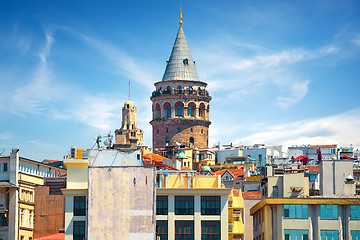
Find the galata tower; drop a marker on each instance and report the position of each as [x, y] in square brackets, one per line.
[180, 102]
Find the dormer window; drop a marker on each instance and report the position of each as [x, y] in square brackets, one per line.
[186, 61]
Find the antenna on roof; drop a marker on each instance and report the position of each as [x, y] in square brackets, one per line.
[129, 89]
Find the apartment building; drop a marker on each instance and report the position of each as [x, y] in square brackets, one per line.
[312, 218]
[191, 206]
[18, 178]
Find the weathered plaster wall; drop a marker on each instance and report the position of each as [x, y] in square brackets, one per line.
[121, 202]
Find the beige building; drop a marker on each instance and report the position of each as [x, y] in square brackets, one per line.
[286, 185]
[109, 195]
[307, 218]
[18, 178]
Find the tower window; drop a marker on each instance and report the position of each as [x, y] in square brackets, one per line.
[192, 140]
[168, 111]
[191, 130]
[178, 111]
[179, 130]
[127, 126]
[167, 142]
[202, 131]
[189, 111]
[132, 126]
[157, 131]
[186, 61]
[167, 130]
[127, 106]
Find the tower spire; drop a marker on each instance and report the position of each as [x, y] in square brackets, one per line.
[180, 22]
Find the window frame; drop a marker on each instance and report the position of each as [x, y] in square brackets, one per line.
[78, 226]
[325, 233]
[184, 230]
[296, 211]
[326, 209]
[354, 211]
[79, 210]
[210, 205]
[215, 230]
[162, 205]
[184, 205]
[162, 225]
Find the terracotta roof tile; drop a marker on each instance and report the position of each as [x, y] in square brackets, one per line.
[322, 146]
[251, 194]
[57, 236]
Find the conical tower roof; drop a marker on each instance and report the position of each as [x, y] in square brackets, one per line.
[180, 65]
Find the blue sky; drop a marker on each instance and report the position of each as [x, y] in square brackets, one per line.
[279, 72]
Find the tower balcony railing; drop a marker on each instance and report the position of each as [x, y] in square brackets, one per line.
[165, 92]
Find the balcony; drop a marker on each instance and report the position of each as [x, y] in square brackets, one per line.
[178, 92]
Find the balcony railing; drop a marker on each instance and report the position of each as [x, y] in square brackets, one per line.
[162, 92]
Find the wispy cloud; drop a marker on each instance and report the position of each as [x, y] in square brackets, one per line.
[342, 128]
[100, 112]
[356, 41]
[125, 64]
[38, 90]
[266, 72]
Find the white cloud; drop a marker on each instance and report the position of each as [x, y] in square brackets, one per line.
[337, 129]
[271, 73]
[38, 90]
[356, 41]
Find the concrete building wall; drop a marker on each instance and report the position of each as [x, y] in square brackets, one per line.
[333, 174]
[248, 219]
[121, 202]
[222, 154]
[258, 153]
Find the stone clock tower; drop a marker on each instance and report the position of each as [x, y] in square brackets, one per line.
[180, 102]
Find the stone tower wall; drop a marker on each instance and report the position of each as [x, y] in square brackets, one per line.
[170, 130]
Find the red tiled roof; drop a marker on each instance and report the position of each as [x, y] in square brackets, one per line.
[236, 173]
[311, 167]
[51, 160]
[57, 236]
[154, 157]
[163, 166]
[185, 169]
[251, 194]
[322, 146]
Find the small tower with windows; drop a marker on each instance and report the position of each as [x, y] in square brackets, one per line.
[180, 102]
[128, 134]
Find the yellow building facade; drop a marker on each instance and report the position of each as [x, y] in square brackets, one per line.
[196, 207]
[19, 176]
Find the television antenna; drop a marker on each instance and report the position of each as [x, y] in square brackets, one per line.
[107, 141]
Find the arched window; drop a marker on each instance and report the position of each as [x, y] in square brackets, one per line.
[168, 89]
[186, 61]
[179, 111]
[167, 142]
[190, 89]
[191, 130]
[179, 88]
[192, 140]
[179, 130]
[168, 112]
[157, 114]
[202, 110]
[190, 112]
